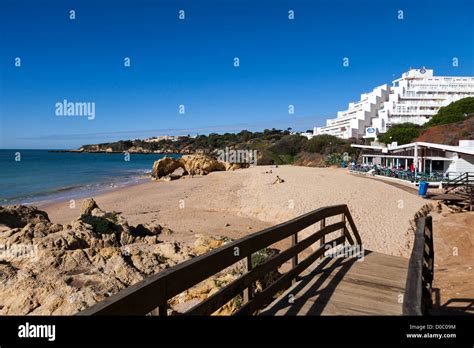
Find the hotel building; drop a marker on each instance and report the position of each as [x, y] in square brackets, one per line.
[415, 98]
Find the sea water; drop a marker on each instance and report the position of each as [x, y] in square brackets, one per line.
[31, 176]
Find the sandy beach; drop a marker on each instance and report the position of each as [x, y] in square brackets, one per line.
[240, 202]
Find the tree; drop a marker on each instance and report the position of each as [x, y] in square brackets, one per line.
[288, 145]
[323, 143]
[454, 112]
[403, 133]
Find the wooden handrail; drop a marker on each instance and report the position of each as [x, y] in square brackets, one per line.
[466, 178]
[417, 299]
[154, 291]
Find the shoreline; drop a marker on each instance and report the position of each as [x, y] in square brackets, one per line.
[42, 176]
[78, 192]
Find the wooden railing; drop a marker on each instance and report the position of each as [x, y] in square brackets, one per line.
[417, 298]
[464, 179]
[155, 291]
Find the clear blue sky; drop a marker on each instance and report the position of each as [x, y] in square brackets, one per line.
[190, 62]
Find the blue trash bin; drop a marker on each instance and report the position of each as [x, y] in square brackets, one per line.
[423, 188]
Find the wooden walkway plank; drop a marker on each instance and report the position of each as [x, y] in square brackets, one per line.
[338, 286]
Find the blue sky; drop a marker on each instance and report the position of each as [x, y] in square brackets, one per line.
[190, 62]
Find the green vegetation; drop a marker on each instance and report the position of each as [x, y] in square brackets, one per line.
[454, 112]
[262, 256]
[327, 144]
[274, 146]
[99, 224]
[208, 143]
[403, 133]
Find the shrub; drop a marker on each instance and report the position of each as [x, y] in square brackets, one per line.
[323, 144]
[402, 133]
[288, 145]
[453, 112]
[99, 224]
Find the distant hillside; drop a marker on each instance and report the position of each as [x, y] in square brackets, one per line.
[449, 134]
[273, 146]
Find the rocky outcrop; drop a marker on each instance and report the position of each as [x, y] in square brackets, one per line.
[201, 164]
[20, 215]
[165, 166]
[197, 164]
[87, 206]
[52, 269]
[47, 268]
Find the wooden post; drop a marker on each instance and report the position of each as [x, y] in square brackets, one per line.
[294, 241]
[248, 291]
[163, 310]
[343, 219]
[322, 241]
[294, 259]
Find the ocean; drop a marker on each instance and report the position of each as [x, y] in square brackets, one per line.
[41, 175]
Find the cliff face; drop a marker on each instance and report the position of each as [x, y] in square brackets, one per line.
[449, 134]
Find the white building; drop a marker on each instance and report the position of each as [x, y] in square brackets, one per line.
[164, 137]
[353, 121]
[415, 98]
[308, 134]
[425, 157]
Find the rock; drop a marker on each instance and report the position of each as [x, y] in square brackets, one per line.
[173, 251]
[166, 231]
[169, 168]
[234, 166]
[203, 244]
[200, 164]
[165, 166]
[146, 230]
[71, 267]
[87, 206]
[17, 216]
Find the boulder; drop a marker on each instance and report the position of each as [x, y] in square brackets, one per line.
[169, 168]
[87, 206]
[165, 166]
[201, 164]
[18, 216]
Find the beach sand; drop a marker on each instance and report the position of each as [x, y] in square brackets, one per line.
[240, 202]
[453, 292]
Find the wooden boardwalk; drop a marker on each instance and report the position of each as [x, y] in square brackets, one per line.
[375, 285]
[316, 284]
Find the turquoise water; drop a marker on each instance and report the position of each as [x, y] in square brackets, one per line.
[41, 175]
